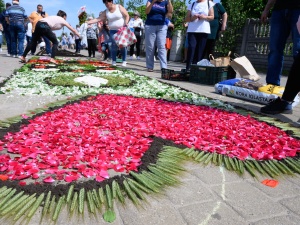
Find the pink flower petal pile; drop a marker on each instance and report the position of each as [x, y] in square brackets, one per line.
[106, 132]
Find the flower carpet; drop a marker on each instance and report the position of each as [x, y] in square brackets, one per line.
[111, 143]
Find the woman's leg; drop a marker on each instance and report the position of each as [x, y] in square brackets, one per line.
[192, 42]
[31, 46]
[48, 33]
[292, 87]
[138, 45]
[131, 49]
[201, 42]
[89, 42]
[161, 46]
[94, 45]
[114, 47]
[150, 37]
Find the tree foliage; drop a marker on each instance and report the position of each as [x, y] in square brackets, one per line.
[238, 11]
[2, 6]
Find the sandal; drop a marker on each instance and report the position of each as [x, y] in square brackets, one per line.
[22, 59]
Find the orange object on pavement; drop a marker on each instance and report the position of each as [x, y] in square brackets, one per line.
[270, 183]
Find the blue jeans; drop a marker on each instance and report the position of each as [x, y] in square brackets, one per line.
[114, 48]
[283, 22]
[17, 34]
[156, 35]
[77, 44]
[196, 46]
[47, 44]
[106, 49]
[8, 40]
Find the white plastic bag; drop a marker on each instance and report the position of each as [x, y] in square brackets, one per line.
[205, 62]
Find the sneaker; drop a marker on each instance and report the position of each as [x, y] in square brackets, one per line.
[277, 106]
[138, 58]
[8, 54]
[130, 58]
[0, 49]
[124, 63]
[114, 63]
[14, 56]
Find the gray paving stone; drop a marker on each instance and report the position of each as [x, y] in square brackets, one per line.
[190, 192]
[212, 213]
[292, 204]
[285, 189]
[280, 220]
[212, 175]
[159, 212]
[249, 202]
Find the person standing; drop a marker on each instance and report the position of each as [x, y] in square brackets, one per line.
[283, 22]
[117, 17]
[28, 28]
[15, 16]
[71, 40]
[215, 29]
[6, 30]
[156, 31]
[185, 45]
[169, 37]
[1, 36]
[106, 43]
[292, 88]
[77, 40]
[44, 27]
[34, 17]
[137, 25]
[91, 35]
[198, 15]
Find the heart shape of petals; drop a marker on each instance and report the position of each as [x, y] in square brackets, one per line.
[111, 132]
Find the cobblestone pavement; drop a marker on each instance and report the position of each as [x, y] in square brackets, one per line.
[207, 195]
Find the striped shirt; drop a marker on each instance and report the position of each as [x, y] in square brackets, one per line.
[15, 13]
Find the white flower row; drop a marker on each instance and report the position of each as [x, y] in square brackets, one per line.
[33, 83]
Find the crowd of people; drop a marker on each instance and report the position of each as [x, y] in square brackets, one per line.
[18, 28]
[202, 24]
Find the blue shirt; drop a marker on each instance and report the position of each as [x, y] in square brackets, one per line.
[3, 21]
[157, 13]
[15, 13]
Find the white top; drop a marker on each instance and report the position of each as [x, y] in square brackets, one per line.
[136, 23]
[55, 22]
[199, 26]
[29, 30]
[115, 19]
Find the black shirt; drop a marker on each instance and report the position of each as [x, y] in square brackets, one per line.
[287, 4]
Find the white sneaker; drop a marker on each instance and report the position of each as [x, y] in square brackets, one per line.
[0, 49]
[130, 58]
[154, 59]
[14, 56]
[114, 63]
[124, 63]
[8, 54]
[138, 58]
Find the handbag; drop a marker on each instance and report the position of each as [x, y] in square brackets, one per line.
[244, 68]
[221, 61]
[124, 37]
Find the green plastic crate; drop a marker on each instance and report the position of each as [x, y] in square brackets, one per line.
[207, 74]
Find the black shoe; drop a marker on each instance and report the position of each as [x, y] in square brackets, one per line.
[277, 106]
